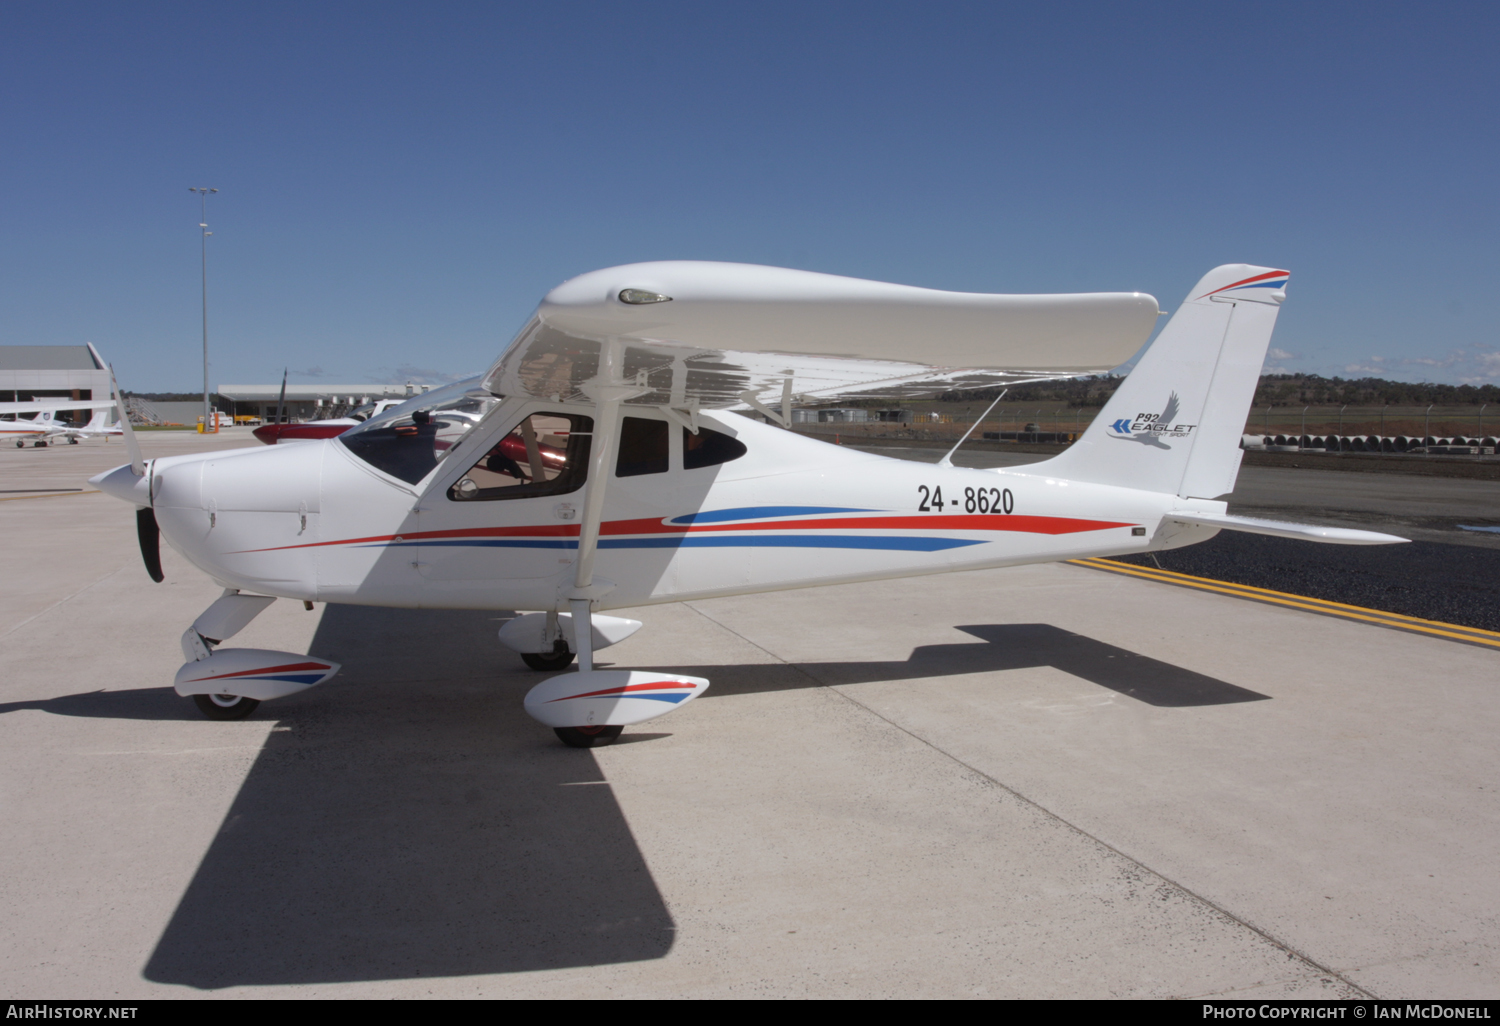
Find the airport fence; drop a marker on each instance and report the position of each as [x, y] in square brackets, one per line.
[1420, 426]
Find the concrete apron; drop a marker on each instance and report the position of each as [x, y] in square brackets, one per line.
[1044, 782]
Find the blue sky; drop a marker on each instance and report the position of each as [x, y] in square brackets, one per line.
[400, 183]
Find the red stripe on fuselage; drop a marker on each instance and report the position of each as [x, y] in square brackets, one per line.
[1018, 523]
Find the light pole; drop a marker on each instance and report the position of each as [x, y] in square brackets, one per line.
[203, 226]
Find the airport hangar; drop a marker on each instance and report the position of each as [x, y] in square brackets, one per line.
[31, 373]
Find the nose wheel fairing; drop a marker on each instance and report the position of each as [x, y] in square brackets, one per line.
[227, 684]
[256, 673]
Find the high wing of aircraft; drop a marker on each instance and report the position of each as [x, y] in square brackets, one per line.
[38, 423]
[597, 465]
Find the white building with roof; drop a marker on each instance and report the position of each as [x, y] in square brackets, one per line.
[29, 373]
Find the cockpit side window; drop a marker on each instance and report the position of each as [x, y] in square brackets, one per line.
[545, 454]
[709, 448]
[643, 447]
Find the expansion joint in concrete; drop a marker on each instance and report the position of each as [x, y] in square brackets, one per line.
[1265, 935]
[66, 599]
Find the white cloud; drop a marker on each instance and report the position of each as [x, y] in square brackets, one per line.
[415, 375]
[1463, 366]
[1281, 354]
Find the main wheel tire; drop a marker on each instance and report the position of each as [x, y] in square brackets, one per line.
[559, 659]
[72, 441]
[225, 707]
[587, 737]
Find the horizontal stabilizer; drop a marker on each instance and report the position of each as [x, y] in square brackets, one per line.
[1282, 529]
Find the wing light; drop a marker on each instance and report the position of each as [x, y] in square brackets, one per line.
[640, 297]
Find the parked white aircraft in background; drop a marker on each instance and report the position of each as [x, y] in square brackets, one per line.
[594, 467]
[42, 425]
[312, 430]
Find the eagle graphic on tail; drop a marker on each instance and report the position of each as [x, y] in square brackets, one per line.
[1122, 428]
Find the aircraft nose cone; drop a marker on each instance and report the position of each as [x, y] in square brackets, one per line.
[124, 485]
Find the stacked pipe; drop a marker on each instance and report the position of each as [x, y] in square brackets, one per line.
[1372, 443]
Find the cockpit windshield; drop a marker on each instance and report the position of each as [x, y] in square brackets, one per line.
[407, 441]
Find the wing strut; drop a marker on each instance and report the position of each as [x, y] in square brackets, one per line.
[784, 418]
[608, 390]
[947, 460]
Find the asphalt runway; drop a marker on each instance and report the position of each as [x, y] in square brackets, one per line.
[1452, 583]
[1045, 781]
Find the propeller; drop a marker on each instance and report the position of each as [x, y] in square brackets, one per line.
[150, 538]
[132, 447]
[146, 528]
[281, 403]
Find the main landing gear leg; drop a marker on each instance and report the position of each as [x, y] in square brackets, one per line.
[583, 637]
[591, 707]
[583, 632]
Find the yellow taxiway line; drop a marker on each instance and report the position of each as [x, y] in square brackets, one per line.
[49, 495]
[1398, 621]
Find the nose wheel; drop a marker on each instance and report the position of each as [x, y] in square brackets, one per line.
[225, 707]
[587, 737]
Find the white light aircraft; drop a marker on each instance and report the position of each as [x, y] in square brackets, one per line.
[595, 467]
[42, 426]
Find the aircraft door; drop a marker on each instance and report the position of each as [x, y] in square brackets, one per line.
[513, 513]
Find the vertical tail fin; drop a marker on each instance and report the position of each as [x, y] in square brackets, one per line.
[1174, 424]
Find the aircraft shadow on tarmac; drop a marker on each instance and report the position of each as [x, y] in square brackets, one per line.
[408, 819]
[1016, 646]
[413, 821]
